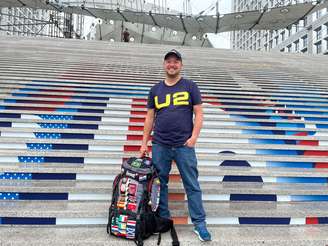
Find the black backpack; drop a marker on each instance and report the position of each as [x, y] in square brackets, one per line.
[133, 211]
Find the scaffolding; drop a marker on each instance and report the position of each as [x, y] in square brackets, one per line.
[40, 22]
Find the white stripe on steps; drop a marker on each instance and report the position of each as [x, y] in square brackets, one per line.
[111, 137]
[297, 221]
[104, 161]
[88, 197]
[81, 221]
[95, 177]
[18, 134]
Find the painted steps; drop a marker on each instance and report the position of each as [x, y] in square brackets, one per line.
[263, 143]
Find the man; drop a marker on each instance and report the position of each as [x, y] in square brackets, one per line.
[171, 105]
[126, 35]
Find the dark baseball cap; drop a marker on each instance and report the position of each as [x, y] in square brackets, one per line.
[175, 53]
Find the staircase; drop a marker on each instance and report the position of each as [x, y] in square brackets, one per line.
[71, 111]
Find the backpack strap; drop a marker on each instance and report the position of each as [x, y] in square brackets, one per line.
[114, 200]
[174, 236]
[159, 239]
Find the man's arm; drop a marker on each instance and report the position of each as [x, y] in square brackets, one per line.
[198, 123]
[147, 131]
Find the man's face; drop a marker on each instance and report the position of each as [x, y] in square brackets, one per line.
[172, 66]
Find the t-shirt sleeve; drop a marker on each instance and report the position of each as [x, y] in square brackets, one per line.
[150, 101]
[196, 97]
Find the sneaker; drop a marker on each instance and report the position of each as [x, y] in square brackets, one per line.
[202, 233]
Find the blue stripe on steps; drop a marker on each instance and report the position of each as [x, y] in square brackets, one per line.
[322, 126]
[49, 146]
[244, 163]
[309, 198]
[304, 180]
[290, 164]
[10, 115]
[37, 176]
[253, 197]
[27, 221]
[55, 117]
[235, 163]
[90, 118]
[272, 141]
[65, 126]
[52, 176]
[16, 176]
[32, 196]
[43, 196]
[50, 135]
[47, 135]
[232, 178]
[42, 159]
[323, 220]
[64, 159]
[315, 119]
[278, 152]
[77, 136]
[275, 132]
[264, 221]
[5, 124]
[99, 111]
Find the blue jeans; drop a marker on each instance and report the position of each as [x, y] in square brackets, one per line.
[186, 161]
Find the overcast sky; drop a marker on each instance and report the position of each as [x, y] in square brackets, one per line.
[221, 40]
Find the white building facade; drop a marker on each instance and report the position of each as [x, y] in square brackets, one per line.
[309, 35]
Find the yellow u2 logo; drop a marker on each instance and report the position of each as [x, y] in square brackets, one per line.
[179, 98]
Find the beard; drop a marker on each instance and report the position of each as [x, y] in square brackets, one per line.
[173, 75]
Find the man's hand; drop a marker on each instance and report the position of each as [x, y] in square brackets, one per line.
[191, 142]
[143, 151]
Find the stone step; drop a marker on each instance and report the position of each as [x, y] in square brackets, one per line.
[109, 158]
[116, 66]
[10, 100]
[208, 125]
[218, 94]
[31, 113]
[19, 133]
[112, 116]
[203, 146]
[235, 131]
[203, 84]
[212, 172]
[99, 209]
[227, 90]
[143, 77]
[24, 133]
[210, 93]
[211, 190]
[222, 235]
[207, 102]
[208, 109]
[205, 89]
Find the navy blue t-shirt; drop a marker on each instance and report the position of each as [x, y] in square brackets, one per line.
[173, 111]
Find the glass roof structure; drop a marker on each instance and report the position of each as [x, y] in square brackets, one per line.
[266, 19]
